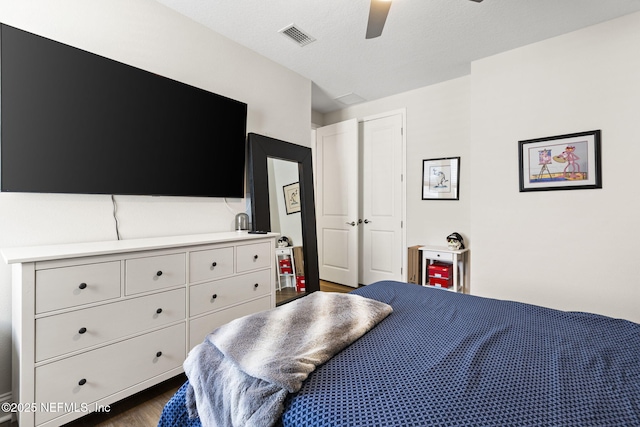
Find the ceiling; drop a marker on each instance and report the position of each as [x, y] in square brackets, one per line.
[423, 42]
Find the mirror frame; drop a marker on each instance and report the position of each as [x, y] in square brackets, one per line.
[259, 149]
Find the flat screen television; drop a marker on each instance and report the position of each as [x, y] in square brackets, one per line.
[76, 122]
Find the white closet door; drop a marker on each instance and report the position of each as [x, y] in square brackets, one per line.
[382, 200]
[337, 202]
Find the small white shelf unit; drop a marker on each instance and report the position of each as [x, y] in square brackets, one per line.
[286, 278]
[457, 258]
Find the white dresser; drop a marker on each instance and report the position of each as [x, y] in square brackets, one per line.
[96, 322]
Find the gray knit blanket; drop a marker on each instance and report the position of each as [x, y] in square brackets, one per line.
[243, 371]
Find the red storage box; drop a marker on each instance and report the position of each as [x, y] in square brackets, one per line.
[286, 270]
[439, 282]
[300, 284]
[440, 270]
[285, 262]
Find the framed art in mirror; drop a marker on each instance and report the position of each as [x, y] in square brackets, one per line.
[292, 197]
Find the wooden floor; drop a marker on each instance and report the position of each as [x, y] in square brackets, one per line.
[334, 287]
[289, 293]
[144, 409]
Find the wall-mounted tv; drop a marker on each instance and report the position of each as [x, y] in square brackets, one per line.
[76, 122]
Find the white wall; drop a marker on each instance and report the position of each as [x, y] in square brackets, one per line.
[574, 250]
[147, 35]
[437, 125]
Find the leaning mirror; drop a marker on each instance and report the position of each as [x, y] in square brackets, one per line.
[297, 200]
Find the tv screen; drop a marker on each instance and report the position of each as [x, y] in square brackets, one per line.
[76, 122]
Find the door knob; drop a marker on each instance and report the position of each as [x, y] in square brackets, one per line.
[352, 223]
[366, 221]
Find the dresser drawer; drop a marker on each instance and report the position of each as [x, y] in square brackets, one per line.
[210, 264]
[109, 369]
[63, 333]
[65, 287]
[203, 326]
[253, 257]
[438, 256]
[224, 292]
[154, 272]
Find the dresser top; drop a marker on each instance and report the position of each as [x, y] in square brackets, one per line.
[74, 250]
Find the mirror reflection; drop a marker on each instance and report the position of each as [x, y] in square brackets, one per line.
[298, 205]
[284, 206]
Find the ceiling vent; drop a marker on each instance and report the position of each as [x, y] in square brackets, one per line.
[350, 99]
[296, 34]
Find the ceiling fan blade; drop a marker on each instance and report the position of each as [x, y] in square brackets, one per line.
[378, 12]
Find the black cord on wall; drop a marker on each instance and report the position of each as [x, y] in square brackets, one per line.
[115, 218]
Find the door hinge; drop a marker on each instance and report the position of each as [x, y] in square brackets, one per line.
[401, 224]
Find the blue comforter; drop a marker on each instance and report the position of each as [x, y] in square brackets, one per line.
[446, 359]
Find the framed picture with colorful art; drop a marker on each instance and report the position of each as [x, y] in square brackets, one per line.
[441, 179]
[563, 162]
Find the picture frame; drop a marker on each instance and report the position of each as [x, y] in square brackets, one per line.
[292, 198]
[441, 179]
[562, 162]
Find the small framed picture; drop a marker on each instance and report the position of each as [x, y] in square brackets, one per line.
[441, 179]
[563, 162]
[292, 197]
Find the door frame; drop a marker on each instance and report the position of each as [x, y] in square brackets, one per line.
[403, 113]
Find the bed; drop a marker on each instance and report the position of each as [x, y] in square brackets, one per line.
[447, 359]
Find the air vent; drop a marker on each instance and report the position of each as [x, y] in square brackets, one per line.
[297, 35]
[350, 99]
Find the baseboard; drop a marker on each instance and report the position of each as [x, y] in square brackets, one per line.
[4, 416]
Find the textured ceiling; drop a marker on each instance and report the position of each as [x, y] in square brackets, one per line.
[423, 42]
